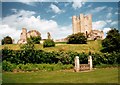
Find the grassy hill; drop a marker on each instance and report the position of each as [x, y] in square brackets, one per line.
[93, 46]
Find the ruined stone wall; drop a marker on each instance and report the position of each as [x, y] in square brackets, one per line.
[33, 33]
[24, 35]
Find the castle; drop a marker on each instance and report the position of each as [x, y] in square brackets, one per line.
[83, 24]
[24, 35]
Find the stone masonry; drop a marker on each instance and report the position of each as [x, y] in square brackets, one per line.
[83, 24]
[24, 35]
[83, 67]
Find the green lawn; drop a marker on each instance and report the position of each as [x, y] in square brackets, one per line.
[93, 46]
[103, 75]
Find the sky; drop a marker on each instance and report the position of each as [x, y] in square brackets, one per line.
[54, 17]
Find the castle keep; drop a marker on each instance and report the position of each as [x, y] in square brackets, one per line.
[83, 24]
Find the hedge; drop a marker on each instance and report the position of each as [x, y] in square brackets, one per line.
[39, 57]
[7, 66]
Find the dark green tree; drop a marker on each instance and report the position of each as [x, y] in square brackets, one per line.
[7, 40]
[112, 41]
[78, 38]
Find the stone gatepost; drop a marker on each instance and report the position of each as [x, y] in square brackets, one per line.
[90, 61]
[77, 65]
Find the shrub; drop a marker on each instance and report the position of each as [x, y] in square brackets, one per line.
[7, 40]
[34, 39]
[40, 57]
[48, 43]
[28, 46]
[78, 38]
[27, 67]
[7, 66]
[83, 58]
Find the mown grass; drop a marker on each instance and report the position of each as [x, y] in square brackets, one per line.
[92, 46]
[107, 75]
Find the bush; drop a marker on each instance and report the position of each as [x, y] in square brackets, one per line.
[39, 57]
[7, 40]
[78, 38]
[49, 43]
[7, 66]
[28, 46]
[83, 58]
[35, 39]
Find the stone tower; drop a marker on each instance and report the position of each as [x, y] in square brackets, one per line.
[82, 24]
[23, 36]
[74, 24]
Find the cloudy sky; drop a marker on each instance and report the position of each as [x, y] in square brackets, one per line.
[54, 17]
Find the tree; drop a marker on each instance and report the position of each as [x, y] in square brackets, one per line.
[78, 38]
[112, 41]
[34, 39]
[7, 40]
[29, 46]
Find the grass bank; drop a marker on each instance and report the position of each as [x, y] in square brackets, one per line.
[93, 46]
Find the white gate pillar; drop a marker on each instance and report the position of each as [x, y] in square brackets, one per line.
[77, 64]
[90, 62]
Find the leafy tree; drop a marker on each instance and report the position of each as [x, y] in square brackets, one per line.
[112, 41]
[29, 45]
[35, 40]
[78, 38]
[7, 40]
[48, 43]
